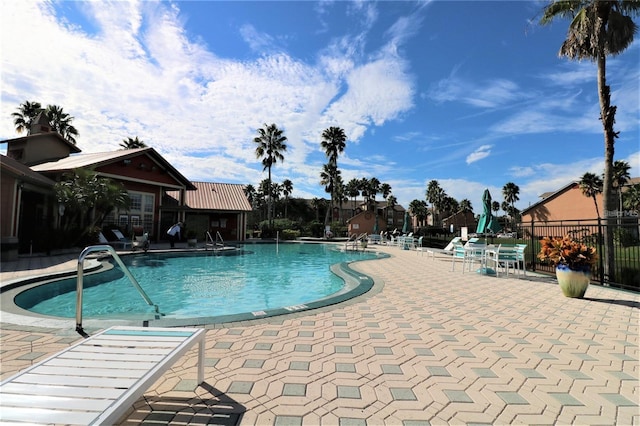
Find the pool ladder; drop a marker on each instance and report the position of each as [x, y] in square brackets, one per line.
[210, 242]
[80, 282]
[354, 241]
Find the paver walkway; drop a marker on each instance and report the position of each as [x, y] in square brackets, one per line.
[427, 346]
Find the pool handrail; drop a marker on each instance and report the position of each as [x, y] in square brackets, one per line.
[213, 243]
[80, 282]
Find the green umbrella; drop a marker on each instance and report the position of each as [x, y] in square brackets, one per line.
[375, 224]
[487, 222]
[405, 224]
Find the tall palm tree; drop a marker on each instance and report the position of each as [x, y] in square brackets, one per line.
[392, 202]
[60, 121]
[271, 145]
[25, 114]
[510, 192]
[599, 28]
[353, 190]
[287, 189]
[373, 189]
[340, 194]
[621, 175]
[333, 143]
[591, 185]
[385, 190]
[130, 143]
[328, 177]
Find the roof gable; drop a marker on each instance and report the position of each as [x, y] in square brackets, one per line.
[101, 159]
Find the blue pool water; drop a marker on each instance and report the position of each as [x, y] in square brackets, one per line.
[187, 285]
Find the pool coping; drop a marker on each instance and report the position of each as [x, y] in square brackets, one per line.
[356, 284]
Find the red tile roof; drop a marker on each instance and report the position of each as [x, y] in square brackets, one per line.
[215, 196]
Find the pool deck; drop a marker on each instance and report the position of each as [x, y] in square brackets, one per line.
[427, 346]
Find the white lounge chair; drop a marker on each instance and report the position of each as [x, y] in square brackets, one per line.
[98, 379]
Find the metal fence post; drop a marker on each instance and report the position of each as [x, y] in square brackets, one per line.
[600, 261]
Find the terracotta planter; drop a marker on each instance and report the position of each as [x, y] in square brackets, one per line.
[573, 283]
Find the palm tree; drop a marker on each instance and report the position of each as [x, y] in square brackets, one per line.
[328, 178]
[373, 189]
[88, 198]
[130, 143]
[433, 195]
[385, 190]
[621, 176]
[632, 197]
[271, 145]
[495, 206]
[333, 143]
[510, 193]
[599, 28]
[465, 206]
[591, 185]
[392, 202]
[353, 190]
[60, 121]
[23, 118]
[287, 189]
[316, 203]
[420, 210]
[250, 193]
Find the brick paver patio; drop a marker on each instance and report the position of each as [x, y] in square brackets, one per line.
[427, 346]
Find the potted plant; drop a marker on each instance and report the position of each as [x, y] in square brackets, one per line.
[192, 240]
[573, 261]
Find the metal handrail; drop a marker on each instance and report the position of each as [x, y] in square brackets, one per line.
[214, 244]
[80, 282]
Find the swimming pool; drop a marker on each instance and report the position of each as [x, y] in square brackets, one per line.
[258, 280]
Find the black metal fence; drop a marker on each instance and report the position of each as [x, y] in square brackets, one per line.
[626, 248]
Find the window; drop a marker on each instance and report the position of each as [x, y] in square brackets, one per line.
[141, 210]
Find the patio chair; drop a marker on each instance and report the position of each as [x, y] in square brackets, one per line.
[121, 239]
[509, 257]
[457, 253]
[473, 252]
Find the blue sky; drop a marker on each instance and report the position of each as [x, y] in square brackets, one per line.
[471, 94]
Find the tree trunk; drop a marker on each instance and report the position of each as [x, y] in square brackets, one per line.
[607, 116]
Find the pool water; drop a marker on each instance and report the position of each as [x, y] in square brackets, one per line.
[185, 285]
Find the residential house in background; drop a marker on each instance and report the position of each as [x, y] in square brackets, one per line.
[567, 203]
[158, 191]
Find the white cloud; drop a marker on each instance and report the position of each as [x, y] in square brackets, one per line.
[482, 152]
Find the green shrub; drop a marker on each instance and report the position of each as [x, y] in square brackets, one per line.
[289, 234]
[624, 237]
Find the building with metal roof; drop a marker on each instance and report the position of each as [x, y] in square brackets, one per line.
[160, 195]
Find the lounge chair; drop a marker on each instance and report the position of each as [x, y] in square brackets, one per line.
[447, 250]
[98, 379]
[121, 239]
